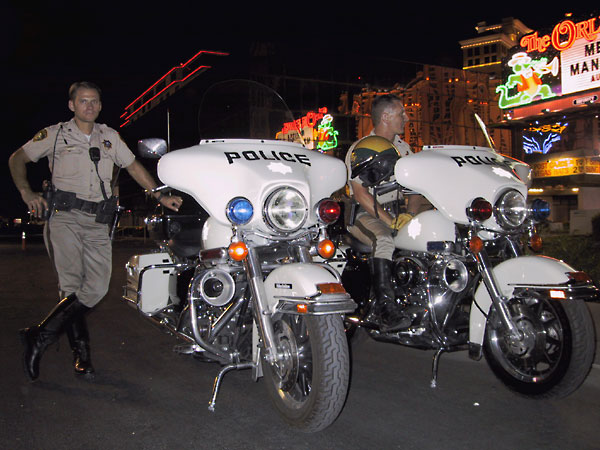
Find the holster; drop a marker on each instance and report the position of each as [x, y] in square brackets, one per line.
[63, 200]
[106, 210]
[48, 195]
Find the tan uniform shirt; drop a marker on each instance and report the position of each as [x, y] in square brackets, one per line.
[70, 162]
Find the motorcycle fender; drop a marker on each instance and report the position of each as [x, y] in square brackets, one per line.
[509, 274]
[297, 283]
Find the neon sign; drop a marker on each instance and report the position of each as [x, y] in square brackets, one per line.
[316, 129]
[565, 167]
[167, 84]
[326, 135]
[540, 139]
[308, 121]
[563, 61]
[572, 31]
[527, 78]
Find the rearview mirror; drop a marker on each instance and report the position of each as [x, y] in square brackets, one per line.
[152, 148]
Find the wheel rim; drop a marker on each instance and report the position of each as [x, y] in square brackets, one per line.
[537, 354]
[294, 367]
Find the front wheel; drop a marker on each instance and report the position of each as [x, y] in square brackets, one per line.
[309, 383]
[555, 352]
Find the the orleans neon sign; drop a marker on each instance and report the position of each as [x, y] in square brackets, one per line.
[564, 61]
[563, 36]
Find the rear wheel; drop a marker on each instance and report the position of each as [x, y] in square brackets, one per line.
[308, 385]
[555, 352]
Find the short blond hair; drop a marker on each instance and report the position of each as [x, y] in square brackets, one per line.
[83, 85]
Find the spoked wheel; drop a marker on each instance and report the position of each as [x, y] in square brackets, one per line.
[308, 384]
[554, 353]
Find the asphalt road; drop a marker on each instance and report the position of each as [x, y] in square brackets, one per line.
[147, 397]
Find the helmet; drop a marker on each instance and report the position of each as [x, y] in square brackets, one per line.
[373, 159]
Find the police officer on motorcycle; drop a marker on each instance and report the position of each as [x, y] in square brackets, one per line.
[370, 161]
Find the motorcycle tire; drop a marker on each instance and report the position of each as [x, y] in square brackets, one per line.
[310, 385]
[557, 351]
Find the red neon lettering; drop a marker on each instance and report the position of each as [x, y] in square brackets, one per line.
[567, 27]
[535, 43]
[586, 30]
[567, 30]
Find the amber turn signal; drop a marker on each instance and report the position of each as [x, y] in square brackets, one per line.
[535, 243]
[302, 308]
[331, 288]
[326, 249]
[237, 251]
[475, 245]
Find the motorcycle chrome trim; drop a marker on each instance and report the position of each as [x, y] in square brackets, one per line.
[138, 298]
[214, 255]
[262, 314]
[225, 357]
[585, 293]
[499, 301]
[317, 305]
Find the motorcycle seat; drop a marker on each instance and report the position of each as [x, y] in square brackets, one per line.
[186, 243]
[356, 245]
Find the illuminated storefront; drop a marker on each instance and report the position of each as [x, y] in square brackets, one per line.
[549, 97]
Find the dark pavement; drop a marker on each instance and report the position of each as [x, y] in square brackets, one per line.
[147, 397]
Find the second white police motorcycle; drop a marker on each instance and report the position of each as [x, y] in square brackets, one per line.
[462, 277]
[241, 289]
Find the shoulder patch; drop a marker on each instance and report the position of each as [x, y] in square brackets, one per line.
[41, 135]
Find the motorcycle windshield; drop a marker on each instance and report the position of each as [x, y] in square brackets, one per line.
[243, 109]
[250, 146]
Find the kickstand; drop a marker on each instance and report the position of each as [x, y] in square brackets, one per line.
[434, 368]
[219, 378]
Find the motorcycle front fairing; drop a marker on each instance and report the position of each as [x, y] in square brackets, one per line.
[451, 176]
[215, 172]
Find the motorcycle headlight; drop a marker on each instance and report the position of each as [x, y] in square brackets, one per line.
[286, 210]
[511, 209]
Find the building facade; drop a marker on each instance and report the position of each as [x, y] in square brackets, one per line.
[549, 99]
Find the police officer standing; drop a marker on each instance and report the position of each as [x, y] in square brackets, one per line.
[81, 155]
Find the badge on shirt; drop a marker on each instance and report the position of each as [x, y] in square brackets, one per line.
[107, 144]
[40, 136]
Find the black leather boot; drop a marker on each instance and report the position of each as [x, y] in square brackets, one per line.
[79, 339]
[389, 313]
[37, 338]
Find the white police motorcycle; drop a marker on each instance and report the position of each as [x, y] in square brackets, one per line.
[462, 277]
[241, 288]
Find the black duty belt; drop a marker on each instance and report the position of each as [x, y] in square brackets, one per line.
[65, 201]
[85, 206]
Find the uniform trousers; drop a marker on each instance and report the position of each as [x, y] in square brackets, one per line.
[372, 231]
[81, 251]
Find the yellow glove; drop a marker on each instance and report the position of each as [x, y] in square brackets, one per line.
[400, 221]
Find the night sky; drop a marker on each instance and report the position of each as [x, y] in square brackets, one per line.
[124, 48]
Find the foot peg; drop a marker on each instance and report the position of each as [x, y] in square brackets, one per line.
[187, 349]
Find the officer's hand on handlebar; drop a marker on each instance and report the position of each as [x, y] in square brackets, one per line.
[400, 221]
[171, 201]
